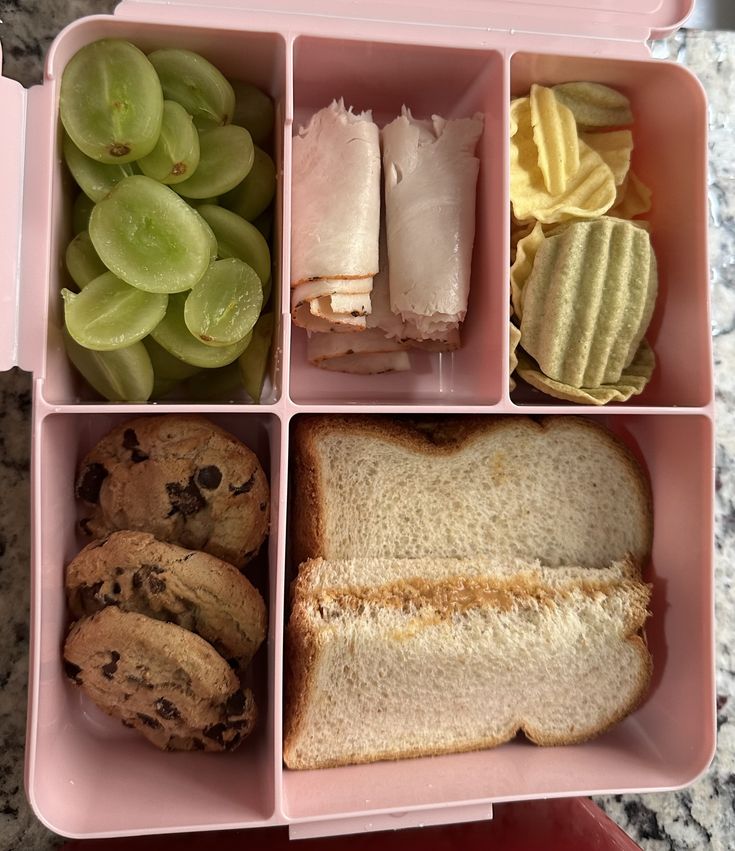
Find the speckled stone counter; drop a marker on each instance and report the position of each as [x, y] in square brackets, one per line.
[702, 816]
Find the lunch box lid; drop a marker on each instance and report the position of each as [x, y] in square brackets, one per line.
[609, 19]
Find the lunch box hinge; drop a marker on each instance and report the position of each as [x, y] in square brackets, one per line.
[391, 821]
[13, 103]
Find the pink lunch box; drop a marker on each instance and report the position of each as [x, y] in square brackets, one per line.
[86, 775]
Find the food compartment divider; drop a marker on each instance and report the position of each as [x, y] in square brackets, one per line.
[655, 748]
[87, 775]
[670, 156]
[452, 82]
[670, 739]
[262, 58]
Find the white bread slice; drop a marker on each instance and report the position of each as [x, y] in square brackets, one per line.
[439, 665]
[562, 490]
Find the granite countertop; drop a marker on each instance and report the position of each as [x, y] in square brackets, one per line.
[702, 816]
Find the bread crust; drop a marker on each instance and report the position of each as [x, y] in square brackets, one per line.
[433, 437]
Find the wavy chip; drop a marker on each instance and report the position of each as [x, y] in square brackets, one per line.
[555, 135]
[595, 105]
[589, 193]
[633, 380]
[513, 340]
[588, 301]
[633, 199]
[523, 265]
[615, 149]
[517, 233]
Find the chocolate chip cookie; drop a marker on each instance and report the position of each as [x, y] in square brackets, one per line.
[166, 682]
[137, 573]
[181, 478]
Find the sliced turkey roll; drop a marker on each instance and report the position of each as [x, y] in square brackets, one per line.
[304, 318]
[430, 172]
[372, 363]
[321, 347]
[328, 287]
[335, 206]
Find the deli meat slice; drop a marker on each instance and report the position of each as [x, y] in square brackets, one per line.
[430, 172]
[335, 202]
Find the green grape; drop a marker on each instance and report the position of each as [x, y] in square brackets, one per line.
[109, 314]
[176, 154]
[253, 110]
[123, 375]
[264, 223]
[196, 203]
[267, 290]
[165, 365]
[162, 387]
[224, 306]
[214, 384]
[196, 84]
[253, 362]
[82, 261]
[111, 102]
[81, 212]
[94, 178]
[253, 195]
[172, 333]
[225, 157]
[150, 237]
[238, 238]
[213, 247]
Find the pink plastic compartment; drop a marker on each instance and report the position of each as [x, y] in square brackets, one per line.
[86, 775]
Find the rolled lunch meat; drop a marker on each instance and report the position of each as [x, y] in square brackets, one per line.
[430, 173]
[335, 211]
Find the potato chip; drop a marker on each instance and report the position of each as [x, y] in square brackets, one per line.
[615, 148]
[595, 105]
[635, 199]
[522, 266]
[588, 301]
[633, 380]
[555, 135]
[514, 339]
[590, 191]
[517, 233]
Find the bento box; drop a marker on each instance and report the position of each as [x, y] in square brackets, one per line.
[86, 776]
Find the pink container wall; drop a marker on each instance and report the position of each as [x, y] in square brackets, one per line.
[86, 775]
[89, 769]
[383, 77]
[670, 155]
[665, 743]
[257, 57]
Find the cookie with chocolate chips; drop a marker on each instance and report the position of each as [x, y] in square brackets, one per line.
[181, 478]
[137, 573]
[166, 682]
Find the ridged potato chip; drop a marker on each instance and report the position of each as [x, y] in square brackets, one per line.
[522, 266]
[588, 301]
[633, 199]
[595, 105]
[515, 338]
[517, 233]
[555, 135]
[589, 193]
[615, 148]
[633, 380]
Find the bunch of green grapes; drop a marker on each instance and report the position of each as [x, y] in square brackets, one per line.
[170, 256]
